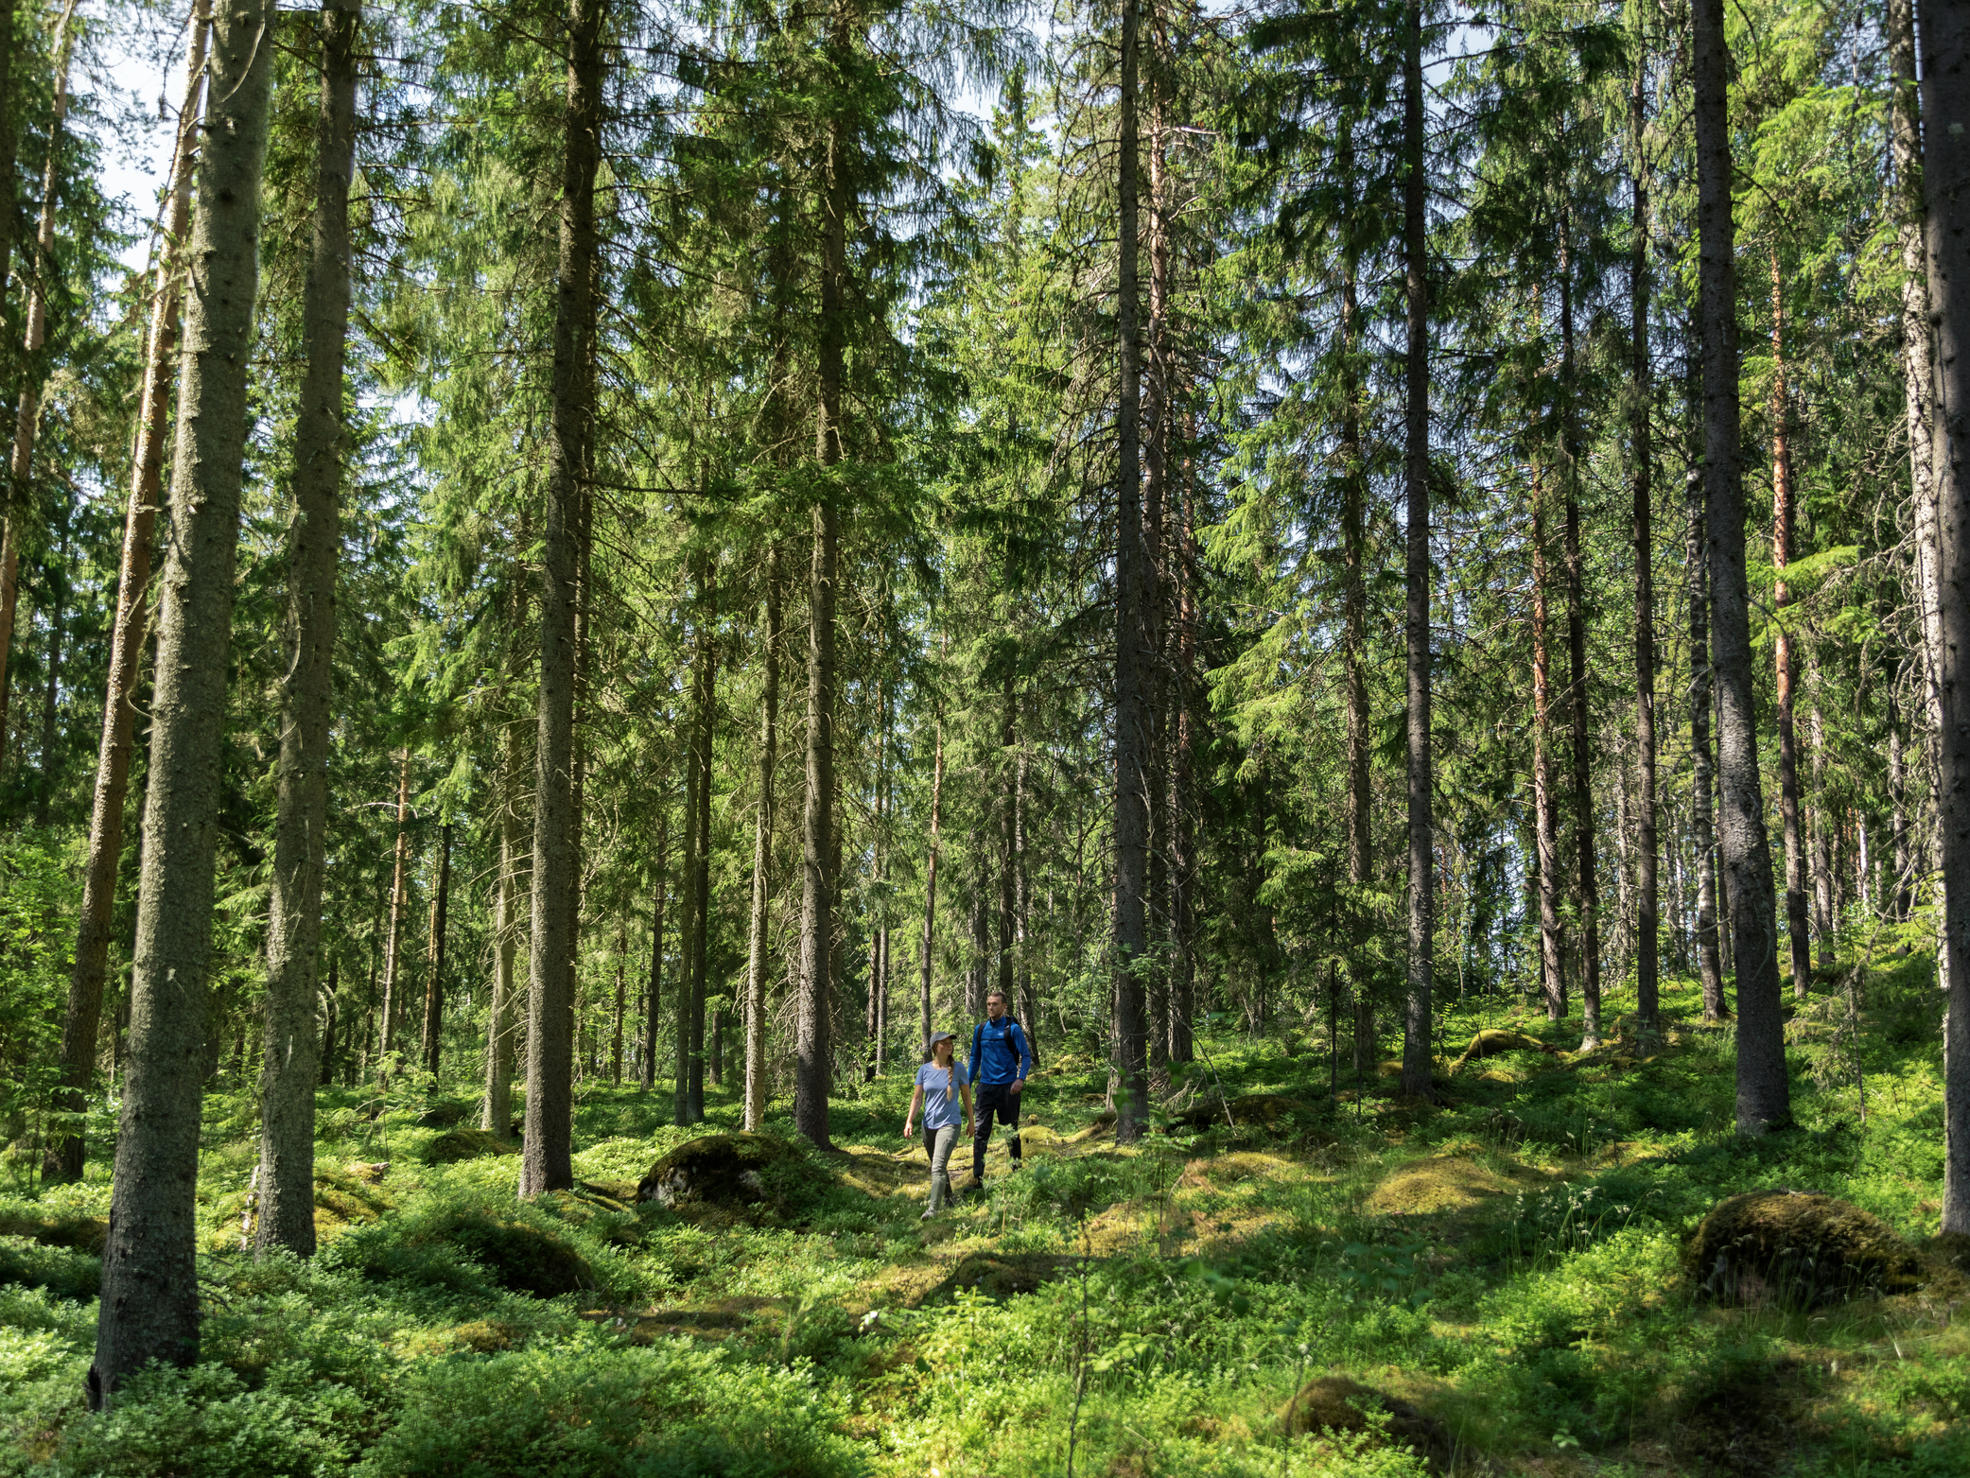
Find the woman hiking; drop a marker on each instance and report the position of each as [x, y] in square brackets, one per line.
[941, 1082]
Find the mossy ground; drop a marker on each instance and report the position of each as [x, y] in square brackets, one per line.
[1509, 1263]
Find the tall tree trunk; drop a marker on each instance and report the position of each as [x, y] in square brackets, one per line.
[689, 1105]
[1819, 822]
[1901, 858]
[1183, 801]
[653, 993]
[1946, 169]
[1354, 643]
[1918, 385]
[58, 579]
[33, 372]
[288, 1069]
[1545, 792]
[331, 1016]
[430, 1041]
[149, 1308]
[1797, 923]
[1703, 783]
[83, 1020]
[1135, 595]
[929, 952]
[546, 1161]
[879, 876]
[1641, 452]
[1416, 1065]
[622, 995]
[9, 204]
[1155, 466]
[818, 879]
[399, 902]
[1763, 1092]
[496, 1109]
[762, 850]
[1587, 879]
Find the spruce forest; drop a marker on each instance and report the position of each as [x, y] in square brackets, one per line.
[1387, 580]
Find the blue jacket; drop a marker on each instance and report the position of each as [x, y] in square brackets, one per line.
[999, 1053]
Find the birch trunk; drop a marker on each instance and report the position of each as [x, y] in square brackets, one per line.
[762, 851]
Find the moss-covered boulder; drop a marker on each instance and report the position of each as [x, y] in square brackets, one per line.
[514, 1252]
[1494, 1042]
[455, 1146]
[346, 1197]
[742, 1173]
[1000, 1275]
[75, 1233]
[1796, 1249]
[446, 1113]
[1336, 1404]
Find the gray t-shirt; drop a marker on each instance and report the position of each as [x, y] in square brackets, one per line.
[940, 1093]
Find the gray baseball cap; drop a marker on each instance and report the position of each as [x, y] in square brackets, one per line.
[936, 1037]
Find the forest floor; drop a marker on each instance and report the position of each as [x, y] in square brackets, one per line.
[1505, 1268]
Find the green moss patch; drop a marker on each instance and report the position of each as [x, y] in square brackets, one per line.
[455, 1146]
[1794, 1249]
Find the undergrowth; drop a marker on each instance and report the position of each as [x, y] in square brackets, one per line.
[1507, 1261]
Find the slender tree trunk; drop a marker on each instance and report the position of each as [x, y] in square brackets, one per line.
[1545, 795]
[1918, 380]
[1946, 169]
[812, 1048]
[288, 1070]
[496, 1112]
[33, 373]
[622, 996]
[1416, 1063]
[1587, 879]
[149, 1308]
[1901, 858]
[1763, 1092]
[331, 1015]
[1135, 594]
[653, 994]
[49, 770]
[929, 951]
[1703, 783]
[879, 936]
[689, 1098]
[1798, 927]
[762, 850]
[1183, 798]
[546, 1162]
[1641, 483]
[399, 902]
[83, 1020]
[1819, 823]
[1354, 644]
[430, 1041]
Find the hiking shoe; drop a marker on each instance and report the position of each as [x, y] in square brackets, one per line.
[927, 1214]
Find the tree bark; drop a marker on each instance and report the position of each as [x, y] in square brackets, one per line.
[1354, 643]
[653, 993]
[399, 902]
[1587, 878]
[33, 372]
[1416, 1063]
[149, 1308]
[1183, 799]
[1703, 781]
[1946, 172]
[546, 1161]
[9, 204]
[430, 1041]
[930, 882]
[288, 1068]
[812, 1047]
[1763, 1092]
[689, 1106]
[1135, 594]
[1545, 796]
[1641, 452]
[83, 1020]
[1819, 823]
[1797, 923]
[762, 850]
[496, 1110]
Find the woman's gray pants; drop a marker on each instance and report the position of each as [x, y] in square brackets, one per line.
[937, 1144]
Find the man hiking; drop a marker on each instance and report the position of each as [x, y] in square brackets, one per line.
[1000, 1063]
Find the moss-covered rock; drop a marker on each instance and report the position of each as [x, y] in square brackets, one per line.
[738, 1173]
[515, 1253]
[1797, 1250]
[76, 1233]
[1000, 1275]
[1492, 1042]
[455, 1146]
[446, 1113]
[1333, 1403]
[345, 1198]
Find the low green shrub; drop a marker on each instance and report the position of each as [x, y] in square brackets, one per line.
[662, 1412]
